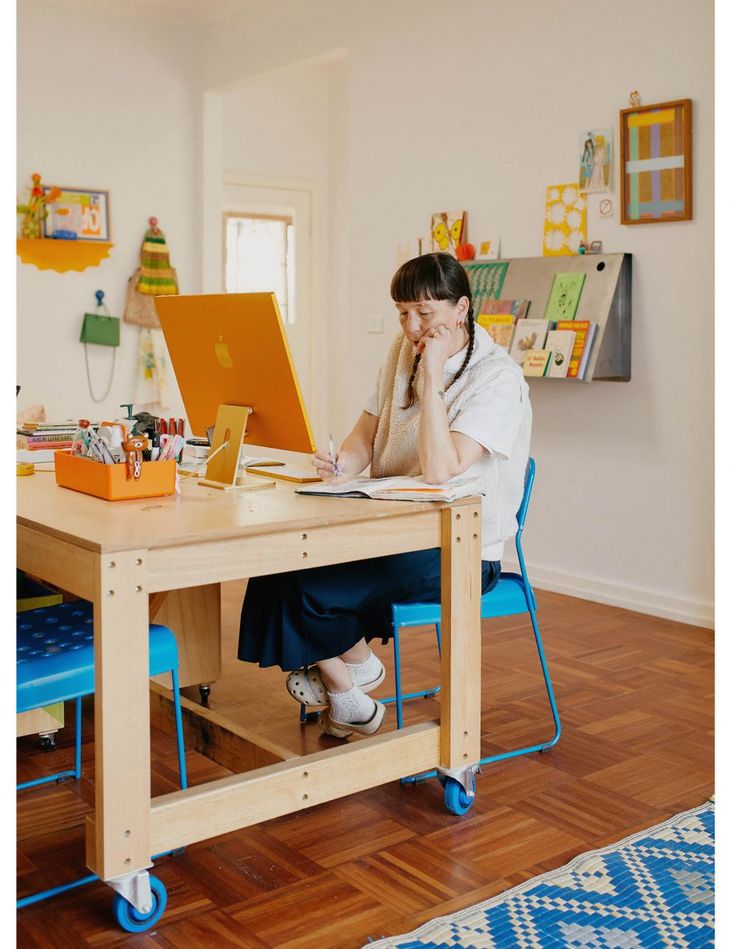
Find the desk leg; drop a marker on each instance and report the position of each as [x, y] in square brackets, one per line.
[460, 695]
[118, 837]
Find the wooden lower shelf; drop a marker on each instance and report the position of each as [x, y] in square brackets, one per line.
[60, 255]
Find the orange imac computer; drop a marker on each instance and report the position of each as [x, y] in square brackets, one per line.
[232, 362]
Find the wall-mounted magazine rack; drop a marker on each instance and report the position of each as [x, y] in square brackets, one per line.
[605, 299]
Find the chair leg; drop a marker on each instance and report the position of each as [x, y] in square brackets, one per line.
[78, 740]
[547, 683]
[179, 729]
[545, 745]
[397, 679]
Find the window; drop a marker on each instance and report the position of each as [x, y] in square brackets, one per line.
[259, 257]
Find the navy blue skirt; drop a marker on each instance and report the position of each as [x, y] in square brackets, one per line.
[297, 618]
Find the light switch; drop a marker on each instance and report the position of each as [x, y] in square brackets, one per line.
[375, 324]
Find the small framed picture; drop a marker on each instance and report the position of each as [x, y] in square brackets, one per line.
[79, 212]
[656, 163]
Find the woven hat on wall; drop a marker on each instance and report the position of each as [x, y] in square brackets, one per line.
[157, 276]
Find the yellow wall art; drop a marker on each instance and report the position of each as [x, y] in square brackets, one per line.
[565, 220]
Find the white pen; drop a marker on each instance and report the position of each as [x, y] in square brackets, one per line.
[333, 458]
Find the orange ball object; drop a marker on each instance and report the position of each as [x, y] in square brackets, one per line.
[35, 177]
[465, 252]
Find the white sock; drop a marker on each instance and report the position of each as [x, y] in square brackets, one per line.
[367, 670]
[352, 706]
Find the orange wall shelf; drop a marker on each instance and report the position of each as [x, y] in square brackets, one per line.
[51, 254]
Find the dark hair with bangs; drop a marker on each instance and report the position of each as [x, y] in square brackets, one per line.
[434, 277]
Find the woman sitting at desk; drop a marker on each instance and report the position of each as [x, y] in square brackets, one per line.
[448, 402]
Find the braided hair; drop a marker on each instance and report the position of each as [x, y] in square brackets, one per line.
[434, 277]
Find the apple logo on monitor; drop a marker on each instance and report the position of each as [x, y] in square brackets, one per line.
[223, 354]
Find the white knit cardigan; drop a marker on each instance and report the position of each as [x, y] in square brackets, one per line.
[396, 445]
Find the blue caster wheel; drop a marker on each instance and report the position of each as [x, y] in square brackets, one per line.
[128, 917]
[456, 800]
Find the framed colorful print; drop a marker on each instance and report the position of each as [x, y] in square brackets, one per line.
[84, 214]
[656, 163]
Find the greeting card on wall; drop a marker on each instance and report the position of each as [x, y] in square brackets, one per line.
[448, 230]
[596, 151]
[565, 220]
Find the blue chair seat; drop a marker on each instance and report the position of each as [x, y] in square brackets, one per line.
[506, 599]
[55, 659]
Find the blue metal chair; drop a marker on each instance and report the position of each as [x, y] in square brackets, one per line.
[511, 595]
[55, 663]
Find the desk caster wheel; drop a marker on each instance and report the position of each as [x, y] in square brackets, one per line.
[47, 742]
[456, 800]
[204, 696]
[128, 917]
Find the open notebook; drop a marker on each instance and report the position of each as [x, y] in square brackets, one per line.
[398, 489]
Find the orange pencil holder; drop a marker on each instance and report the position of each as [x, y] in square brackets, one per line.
[110, 482]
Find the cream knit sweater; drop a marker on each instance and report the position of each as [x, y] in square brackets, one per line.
[491, 371]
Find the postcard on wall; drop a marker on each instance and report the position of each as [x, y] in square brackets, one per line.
[565, 220]
[596, 157]
[489, 250]
[448, 230]
[564, 296]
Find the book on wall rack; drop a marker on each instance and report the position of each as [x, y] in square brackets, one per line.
[560, 342]
[500, 327]
[536, 362]
[564, 296]
[585, 331]
[528, 334]
[517, 308]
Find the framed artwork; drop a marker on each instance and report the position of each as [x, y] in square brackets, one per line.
[596, 153]
[656, 163]
[84, 213]
[448, 230]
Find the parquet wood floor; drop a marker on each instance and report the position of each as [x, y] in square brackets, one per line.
[636, 699]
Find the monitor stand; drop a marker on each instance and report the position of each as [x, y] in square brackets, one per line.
[222, 468]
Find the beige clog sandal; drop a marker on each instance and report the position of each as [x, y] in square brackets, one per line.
[329, 726]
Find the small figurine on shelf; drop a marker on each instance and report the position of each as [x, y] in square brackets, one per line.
[34, 211]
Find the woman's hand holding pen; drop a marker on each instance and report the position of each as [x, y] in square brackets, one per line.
[335, 468]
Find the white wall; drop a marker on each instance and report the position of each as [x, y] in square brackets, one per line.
[277, 130]
[112, 103]
[480, 106]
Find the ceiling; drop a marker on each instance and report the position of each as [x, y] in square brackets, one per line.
[189, 12]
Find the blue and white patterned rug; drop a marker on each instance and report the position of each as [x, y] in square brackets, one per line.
[653, 889]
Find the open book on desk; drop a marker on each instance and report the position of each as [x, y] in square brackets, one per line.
[398, 489]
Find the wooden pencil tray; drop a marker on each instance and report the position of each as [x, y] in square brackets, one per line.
[110, 482]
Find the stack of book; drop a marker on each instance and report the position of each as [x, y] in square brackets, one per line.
[38, 436]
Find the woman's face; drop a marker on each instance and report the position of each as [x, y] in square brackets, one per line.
[418, 318]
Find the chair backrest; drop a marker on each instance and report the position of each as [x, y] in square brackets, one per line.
[531, 470]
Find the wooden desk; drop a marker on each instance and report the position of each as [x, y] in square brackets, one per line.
[115, 554]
